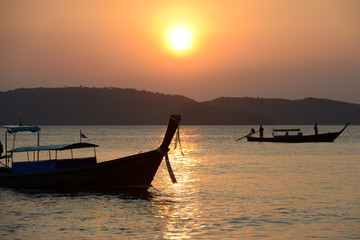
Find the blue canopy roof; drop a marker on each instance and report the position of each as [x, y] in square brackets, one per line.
[14, 129]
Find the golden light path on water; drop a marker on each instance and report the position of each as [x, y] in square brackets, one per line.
[182, 218]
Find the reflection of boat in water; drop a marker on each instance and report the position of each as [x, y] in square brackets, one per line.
[129, 173]
[296, 138]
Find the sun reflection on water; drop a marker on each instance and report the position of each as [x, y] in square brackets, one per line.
[181, 208]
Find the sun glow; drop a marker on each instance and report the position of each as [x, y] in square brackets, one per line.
[180, 38]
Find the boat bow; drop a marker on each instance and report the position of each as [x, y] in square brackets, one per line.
[344, 128]
[173, 125]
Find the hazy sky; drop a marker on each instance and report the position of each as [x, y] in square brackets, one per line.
[280, 48]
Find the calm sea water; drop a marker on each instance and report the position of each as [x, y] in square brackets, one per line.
[226, 189]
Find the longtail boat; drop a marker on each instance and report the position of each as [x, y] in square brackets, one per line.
[288, 137]
[131, 173]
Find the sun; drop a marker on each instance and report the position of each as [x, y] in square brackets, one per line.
[180, 38]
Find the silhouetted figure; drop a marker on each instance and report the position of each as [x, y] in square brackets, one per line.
[316, 129]
[261, 130]
[252, 131]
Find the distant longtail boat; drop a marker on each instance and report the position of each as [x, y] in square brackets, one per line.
[296, 138]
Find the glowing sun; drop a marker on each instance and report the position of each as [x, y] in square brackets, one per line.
[180, 38]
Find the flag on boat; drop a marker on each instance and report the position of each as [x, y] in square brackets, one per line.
[82, 135]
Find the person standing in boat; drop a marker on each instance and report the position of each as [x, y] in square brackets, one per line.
[261, 130]
[316, 129]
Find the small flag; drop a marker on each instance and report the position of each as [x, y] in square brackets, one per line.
[82, 135]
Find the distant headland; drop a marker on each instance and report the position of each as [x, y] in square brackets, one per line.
[117, 106]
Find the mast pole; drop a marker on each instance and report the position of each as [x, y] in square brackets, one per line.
[6, 156]
[38, 142]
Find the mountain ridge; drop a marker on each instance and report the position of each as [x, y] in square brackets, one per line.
[119, 106]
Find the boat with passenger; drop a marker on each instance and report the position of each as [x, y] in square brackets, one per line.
[130, 173]
[296, 136]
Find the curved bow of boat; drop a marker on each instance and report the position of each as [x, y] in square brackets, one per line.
[173, 124]
[344, 128]
[164, 147]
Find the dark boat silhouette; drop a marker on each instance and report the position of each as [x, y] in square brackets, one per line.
[131, 173]
[298, 138]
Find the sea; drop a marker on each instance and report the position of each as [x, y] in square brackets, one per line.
[226, 189]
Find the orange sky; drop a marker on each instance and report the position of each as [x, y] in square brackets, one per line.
[285, 49]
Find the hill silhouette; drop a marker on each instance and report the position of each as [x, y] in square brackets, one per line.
[88, 106]
[116, 106]
[282, 111]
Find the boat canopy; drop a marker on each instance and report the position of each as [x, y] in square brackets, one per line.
[14, 129]
[287, 130]
[54, 147]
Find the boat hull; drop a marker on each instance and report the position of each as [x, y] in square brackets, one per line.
[326, 137]
[120, 175]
